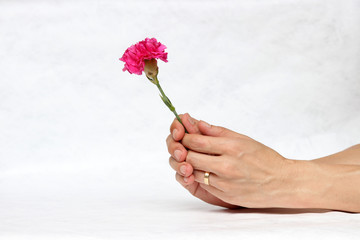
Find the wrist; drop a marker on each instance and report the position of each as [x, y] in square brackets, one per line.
[306, 184]
[326, 186]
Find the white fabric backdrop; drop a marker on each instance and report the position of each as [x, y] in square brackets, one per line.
[82, 144]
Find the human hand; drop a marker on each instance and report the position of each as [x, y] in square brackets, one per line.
[243, 172]
[184, 170]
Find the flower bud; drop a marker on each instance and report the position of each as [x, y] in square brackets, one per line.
[151, 69]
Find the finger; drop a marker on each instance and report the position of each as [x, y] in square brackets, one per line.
[176, 149]
[206, 144]
[203, 162]
[202, 193]
[177, 129]
[214, 180]
[213, 190]
[184, 169]
[216, 131]
[190, 124]
[185, 181]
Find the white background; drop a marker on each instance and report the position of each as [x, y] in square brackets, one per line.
[82, 144]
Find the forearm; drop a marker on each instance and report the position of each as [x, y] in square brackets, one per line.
[348, 156]
[326, 186]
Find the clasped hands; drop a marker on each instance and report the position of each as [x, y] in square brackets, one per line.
[243, 172]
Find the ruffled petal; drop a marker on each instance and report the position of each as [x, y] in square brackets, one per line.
[135, 55]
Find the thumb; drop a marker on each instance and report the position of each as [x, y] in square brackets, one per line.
[216, 131]
[190, 123]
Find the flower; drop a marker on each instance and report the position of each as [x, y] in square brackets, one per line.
[135, 56]
[142, 57]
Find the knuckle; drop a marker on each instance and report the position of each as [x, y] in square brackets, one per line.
[197, 141]
[221, 130]
[171, 162]
[171, 144]
[229, 148]
[226, 168]
[245, 157]
[178, 177]
[168, 139]
[172, 126]
[234, 147]
[172, 147]
[189, 157]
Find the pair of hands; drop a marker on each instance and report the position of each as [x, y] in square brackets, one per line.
[243, 172]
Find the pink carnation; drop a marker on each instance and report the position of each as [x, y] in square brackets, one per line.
[135, 55]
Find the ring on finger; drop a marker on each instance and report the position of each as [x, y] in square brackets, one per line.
[206, 178]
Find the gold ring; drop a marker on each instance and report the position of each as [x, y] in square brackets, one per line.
[206, 178]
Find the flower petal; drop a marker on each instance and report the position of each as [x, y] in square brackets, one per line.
[135, 55]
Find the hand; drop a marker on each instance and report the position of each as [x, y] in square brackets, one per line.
[184, 170]
[243, 171]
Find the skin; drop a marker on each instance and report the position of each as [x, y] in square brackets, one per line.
[244, 172]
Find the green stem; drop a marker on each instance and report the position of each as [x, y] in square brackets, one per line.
[167, 101]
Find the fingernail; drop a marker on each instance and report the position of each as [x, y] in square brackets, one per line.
[183, 169]
[186, 179]
[177, 154]
[191, 120]
[174, 133]
[206, 124]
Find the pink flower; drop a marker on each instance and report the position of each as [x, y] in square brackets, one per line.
[135, 55]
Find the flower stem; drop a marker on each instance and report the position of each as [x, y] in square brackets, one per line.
[167, 101]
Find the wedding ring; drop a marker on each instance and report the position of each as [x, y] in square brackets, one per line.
[206, 178]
